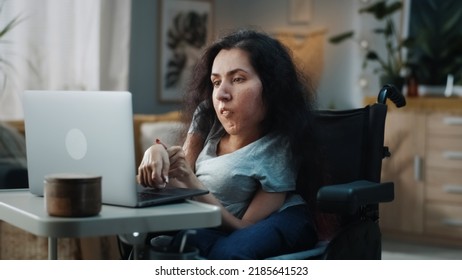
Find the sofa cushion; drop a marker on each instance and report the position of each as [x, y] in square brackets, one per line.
[12, 145]
[169, 132]
[13, 164]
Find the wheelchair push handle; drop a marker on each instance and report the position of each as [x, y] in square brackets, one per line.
[391, 92]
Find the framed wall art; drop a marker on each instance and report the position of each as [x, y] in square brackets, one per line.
[185, 29]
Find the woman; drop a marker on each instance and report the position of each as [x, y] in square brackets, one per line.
[249, 111]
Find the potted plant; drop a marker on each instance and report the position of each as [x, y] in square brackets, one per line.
[437, 54]
[4, 63]
[391, 65]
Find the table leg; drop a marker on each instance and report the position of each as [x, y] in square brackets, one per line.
[137, 240]
[52, 248]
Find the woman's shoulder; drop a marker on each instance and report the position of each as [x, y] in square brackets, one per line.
[271, 144]
[275, 140]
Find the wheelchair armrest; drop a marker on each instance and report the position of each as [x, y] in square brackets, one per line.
[348, 198]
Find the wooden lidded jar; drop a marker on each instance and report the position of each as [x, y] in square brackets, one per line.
[73, 195]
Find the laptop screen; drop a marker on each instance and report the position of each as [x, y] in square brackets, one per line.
[89, 132]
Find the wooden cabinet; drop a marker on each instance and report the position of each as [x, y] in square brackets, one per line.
[425, 139]
[405, 137]
[443, 184]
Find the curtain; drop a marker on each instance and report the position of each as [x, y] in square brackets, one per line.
[63, 45]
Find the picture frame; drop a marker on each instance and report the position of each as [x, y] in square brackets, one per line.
[185, 30]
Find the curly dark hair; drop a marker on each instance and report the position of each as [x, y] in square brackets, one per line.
[287, 93]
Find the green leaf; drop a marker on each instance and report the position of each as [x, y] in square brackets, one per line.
[341, 37]
[408, 42]
[376, 9]
[380, 10]
[379, 30]
[393, 8]
[10, 25]
[389, 28]
[4, 64]
[451, 22]
[372, 55]
[391, 62]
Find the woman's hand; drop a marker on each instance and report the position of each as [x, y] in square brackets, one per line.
[154, 168]
[180, 169]
[161, 163]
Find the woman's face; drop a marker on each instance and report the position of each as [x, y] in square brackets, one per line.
[237, 93]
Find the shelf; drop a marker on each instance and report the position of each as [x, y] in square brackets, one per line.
[426, 104]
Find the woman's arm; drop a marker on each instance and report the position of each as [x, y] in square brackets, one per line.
[181, 173]
[155, 167]
[192, 147]
[262, 205]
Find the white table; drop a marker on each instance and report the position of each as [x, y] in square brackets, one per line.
[26, 211]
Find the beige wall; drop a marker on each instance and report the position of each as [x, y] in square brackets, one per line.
[337, 87]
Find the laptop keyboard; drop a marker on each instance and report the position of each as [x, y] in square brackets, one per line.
[150, 194]
[170, 194]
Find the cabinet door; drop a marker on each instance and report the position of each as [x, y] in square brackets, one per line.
[443, 209]
[405, 137]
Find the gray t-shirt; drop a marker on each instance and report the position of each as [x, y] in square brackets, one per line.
[235, 177]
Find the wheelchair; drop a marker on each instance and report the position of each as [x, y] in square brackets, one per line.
[352, 148]
[352, 145]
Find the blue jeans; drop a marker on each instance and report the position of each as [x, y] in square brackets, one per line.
[288, 231]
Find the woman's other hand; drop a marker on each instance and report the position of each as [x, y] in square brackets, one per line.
[180, 169]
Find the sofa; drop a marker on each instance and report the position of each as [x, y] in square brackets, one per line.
[167, 127]
[13, 172]
[18, 244]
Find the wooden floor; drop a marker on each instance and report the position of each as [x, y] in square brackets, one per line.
[398, 250]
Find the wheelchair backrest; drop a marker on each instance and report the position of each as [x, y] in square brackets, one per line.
[351, 142]
[350, 147]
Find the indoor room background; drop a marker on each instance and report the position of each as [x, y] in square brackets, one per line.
[125, 46]
[117, 45]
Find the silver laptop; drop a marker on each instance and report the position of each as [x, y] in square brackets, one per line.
[88, 132]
